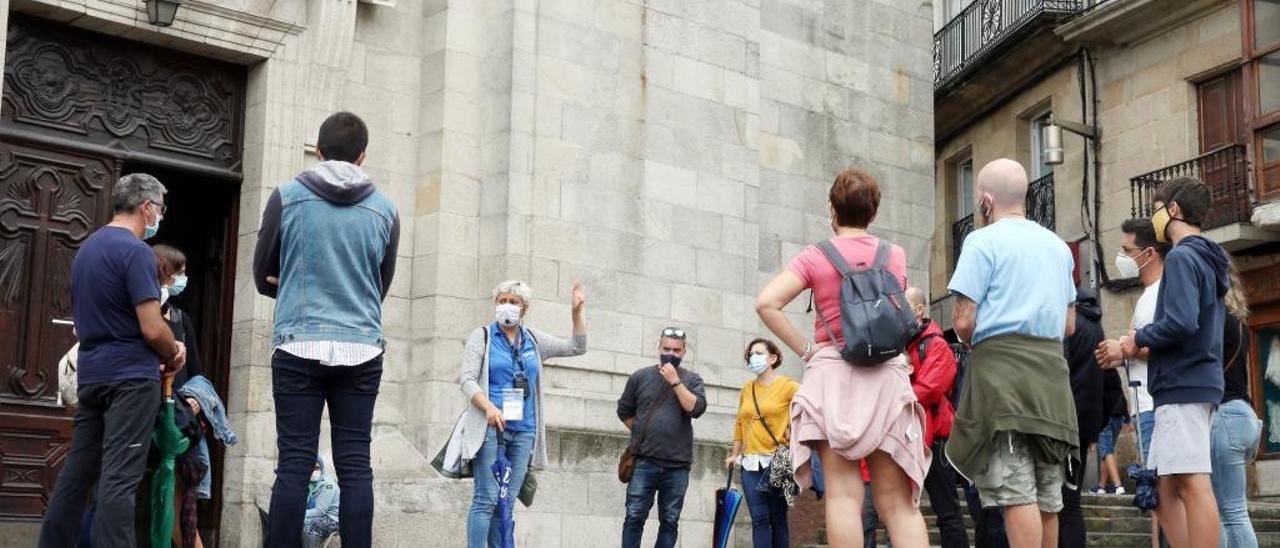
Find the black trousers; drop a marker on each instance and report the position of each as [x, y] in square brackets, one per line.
[940, 483]
[1071, 533]
[109, 447]
[302, 388]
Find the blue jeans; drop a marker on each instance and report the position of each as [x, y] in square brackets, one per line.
[1234, 442]
[483, 520]
[1146, 426]
[1107, 437]
[669, 484]
[302, 388]
[768, 510]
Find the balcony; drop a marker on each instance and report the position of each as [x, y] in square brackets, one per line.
[1226, 171]
[990, 51]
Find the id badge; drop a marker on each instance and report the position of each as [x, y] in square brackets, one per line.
[512, 404]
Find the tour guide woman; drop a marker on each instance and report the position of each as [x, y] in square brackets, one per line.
[501, 377]
[763, 424]
[849, 413]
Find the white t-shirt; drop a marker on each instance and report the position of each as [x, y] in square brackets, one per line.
[1143, 313]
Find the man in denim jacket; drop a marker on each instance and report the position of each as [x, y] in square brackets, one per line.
[326, 252]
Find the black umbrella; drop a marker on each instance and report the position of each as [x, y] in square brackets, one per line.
[1144, 496]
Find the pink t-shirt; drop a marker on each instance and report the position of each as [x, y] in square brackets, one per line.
[818, 274]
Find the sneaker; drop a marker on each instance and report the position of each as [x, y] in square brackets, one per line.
[1097, 490]
[1111, 489]
[1119, 490]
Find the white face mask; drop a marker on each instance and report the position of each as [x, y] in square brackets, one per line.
[1127, 266]
[508, 315]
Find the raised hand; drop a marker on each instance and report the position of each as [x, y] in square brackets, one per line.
[579, 297]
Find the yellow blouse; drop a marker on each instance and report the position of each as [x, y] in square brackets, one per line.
[775, 404]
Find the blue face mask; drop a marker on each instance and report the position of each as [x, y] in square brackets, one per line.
[150, 230]
[178, 286]
[758, 363]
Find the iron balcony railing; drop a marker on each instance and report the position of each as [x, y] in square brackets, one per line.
[1224, 169]
[1040, 208]
[983, 26]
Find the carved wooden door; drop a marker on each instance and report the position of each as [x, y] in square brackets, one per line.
[50, 201]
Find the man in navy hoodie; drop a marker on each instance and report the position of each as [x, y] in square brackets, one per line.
[1185, 364]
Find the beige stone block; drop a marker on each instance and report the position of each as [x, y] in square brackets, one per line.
[781, 154]
[695, 304]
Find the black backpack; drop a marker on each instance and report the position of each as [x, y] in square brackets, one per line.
[962, 366]
[874, 317]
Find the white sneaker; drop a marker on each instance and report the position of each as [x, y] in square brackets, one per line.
[1119, 490]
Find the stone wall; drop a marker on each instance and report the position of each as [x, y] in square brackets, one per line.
[672, 155]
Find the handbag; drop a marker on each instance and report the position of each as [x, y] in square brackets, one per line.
[781, 477]
[627, 462]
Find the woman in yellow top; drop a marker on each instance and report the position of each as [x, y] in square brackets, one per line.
[756, 434]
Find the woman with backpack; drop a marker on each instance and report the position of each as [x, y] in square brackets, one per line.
[856, 400]
[501, 378]
[762, 430]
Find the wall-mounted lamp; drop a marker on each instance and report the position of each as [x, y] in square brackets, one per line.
[162, 12]
[1052, 136]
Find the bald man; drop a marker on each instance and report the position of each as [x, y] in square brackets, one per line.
[1016, 434]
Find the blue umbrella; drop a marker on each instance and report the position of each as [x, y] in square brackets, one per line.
[505, 510]
[728, 500]
[1144, 495]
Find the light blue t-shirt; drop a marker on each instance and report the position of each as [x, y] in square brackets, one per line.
[1020, 275]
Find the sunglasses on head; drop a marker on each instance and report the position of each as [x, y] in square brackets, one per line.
[673, 333]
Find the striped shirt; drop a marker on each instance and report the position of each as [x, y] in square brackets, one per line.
[332, 352]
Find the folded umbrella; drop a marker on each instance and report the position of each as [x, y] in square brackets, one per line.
[1144, 495]
[505, 509]
[728, 500]
[170, 442]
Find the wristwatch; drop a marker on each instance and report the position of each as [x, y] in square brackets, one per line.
[677, 383]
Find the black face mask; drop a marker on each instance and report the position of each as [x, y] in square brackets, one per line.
[671, 359]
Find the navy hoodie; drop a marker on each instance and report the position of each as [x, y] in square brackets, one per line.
[1186, 337]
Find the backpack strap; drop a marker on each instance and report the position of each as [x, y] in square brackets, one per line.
[836, 259]
[924, 344]
[882, 254]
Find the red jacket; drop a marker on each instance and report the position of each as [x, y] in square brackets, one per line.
[933, 379]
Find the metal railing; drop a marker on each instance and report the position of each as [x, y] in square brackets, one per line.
[1224, 169]
[977, 30]
[1040, 205]
[959, 230]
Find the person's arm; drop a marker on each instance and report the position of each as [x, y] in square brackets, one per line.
[388, 267]
[469, 379]
[1071, 320]
[1181, 318]
[775, 296]
[936, 374]
[266, 254]
[964, 318]
[155, 330]
[692, 396]
[627, 403]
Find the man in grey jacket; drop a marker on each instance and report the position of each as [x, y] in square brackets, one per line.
[664, 400]
[326, 252]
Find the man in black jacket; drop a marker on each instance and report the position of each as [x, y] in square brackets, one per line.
[1087, 387]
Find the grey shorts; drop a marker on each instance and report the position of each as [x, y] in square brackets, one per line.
[1180, 439]
[1013, 478]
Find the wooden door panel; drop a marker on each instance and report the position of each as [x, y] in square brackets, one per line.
[50, 202]
[1221, 102]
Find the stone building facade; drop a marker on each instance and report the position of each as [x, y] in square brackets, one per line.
[1168, 86]
[671, 154]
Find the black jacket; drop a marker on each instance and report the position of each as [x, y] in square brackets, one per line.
[1087, 383]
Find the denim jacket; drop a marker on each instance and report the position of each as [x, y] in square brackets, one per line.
[330, 239]
[211, 406]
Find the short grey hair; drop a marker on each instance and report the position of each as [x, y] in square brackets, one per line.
[134, 189]
[514, 287]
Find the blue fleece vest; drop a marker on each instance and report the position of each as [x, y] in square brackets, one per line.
[330, 255]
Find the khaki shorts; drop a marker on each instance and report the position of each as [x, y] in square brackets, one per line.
[1013, 478]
